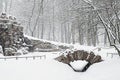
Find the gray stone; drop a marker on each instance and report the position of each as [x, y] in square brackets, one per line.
[11, 34]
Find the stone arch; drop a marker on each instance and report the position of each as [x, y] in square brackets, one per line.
[91, 58]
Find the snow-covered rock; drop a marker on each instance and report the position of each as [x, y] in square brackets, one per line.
[46, 44]
[22, 51]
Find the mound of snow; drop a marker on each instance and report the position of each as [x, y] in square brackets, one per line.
[78, 65]
[83, 47]
[106, 70]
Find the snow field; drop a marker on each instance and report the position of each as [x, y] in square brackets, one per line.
[49, 69]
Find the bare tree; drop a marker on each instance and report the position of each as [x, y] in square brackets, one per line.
[29, 22]
[109, 31]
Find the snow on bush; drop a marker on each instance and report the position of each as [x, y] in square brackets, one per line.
[22, 51]
[67, 51]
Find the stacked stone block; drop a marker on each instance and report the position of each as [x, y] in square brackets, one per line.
[79, 55]
[11, 35]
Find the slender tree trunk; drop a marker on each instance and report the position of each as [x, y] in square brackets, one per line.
[62, 33]
[49, 37]
[42, 27]
[29, 22]
[65, 30]
[10, 8]
[73, 34]
[53, 23]
[69, 33]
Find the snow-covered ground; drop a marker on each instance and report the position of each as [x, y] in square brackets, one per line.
[38, 69]
[102, 51]
[78, 65]
[49, 69]
[107, 70]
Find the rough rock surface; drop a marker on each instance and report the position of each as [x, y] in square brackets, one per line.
[70, 56]
[73, 55]
[11, 35]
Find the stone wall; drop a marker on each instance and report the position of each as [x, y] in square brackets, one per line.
[11, 35]
[43, 46]
[12, 38]
[70, 56]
